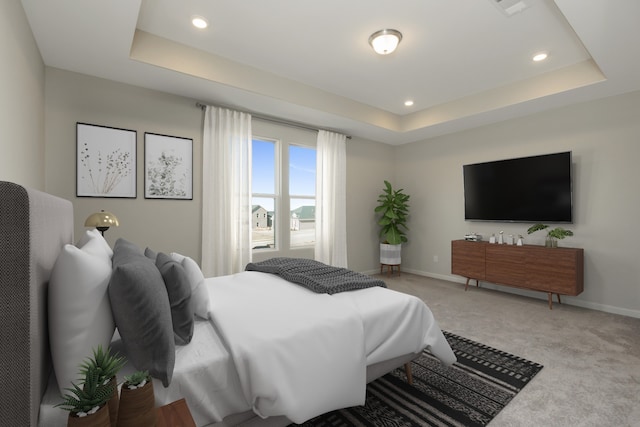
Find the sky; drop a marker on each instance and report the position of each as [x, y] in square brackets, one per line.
[302, 172]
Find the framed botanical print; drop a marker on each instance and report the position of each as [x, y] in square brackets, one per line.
[168, 167]
[105, 161]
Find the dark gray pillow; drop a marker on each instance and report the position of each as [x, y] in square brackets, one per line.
[179, 290]
[150, 253]
[126, 250]
[141, 311]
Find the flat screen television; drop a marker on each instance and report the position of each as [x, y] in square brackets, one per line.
[527, 189]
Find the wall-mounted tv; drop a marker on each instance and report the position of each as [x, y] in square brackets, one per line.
[527, 189]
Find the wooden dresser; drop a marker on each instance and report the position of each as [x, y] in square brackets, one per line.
[557, 271]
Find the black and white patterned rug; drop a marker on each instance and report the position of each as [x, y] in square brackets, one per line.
[469, 393]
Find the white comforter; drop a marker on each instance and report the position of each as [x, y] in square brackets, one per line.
[271, 325]
[396, 324]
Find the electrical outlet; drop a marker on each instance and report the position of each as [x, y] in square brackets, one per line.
[435, 258]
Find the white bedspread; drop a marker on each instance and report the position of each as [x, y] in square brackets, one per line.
[396, 324]
[270, 326]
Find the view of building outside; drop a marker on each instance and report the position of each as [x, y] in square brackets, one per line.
[302, 174]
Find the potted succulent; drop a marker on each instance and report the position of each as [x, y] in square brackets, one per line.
[87, 402]
[137, 401]
[107, 365]
[392, 211]
[553, 235]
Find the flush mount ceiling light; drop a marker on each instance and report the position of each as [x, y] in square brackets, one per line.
[199, 22]
[385, 41]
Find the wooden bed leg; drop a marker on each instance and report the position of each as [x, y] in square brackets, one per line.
[407, 370]
[559, 302]
[550, 300]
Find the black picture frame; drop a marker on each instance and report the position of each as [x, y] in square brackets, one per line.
[168, 167]
[105, 161]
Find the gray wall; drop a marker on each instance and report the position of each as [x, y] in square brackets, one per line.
[21, 100]
[604, 137]
[163, 225]
[368, 165]
[169, 225]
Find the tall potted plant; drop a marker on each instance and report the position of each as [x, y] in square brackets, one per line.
[392, 211]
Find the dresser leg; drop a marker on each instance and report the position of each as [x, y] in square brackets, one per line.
[466, 286]
[550, 300]
[559, 302]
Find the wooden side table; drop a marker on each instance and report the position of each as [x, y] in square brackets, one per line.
[175, 414]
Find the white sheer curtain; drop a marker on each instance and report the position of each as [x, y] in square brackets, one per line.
[226, 191]
[331, 199]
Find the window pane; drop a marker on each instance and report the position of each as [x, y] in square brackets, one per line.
[303, 222]
[263, 183]
[263, 167]
[263, 223]
[302, 171]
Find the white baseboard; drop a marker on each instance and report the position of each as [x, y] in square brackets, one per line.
[576, 301]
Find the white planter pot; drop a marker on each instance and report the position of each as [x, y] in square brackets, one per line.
[390, 254]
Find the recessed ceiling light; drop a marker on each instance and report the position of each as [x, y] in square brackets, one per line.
[408, 103]
[199, 22]
[540, 56]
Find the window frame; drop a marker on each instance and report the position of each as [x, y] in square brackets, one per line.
[284, 137]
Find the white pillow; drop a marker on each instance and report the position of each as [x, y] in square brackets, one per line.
[199, 294]
[80, 315]
[94, 234]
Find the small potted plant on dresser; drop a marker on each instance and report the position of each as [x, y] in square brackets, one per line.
[553, 235]
[392, 211]
[87, 402]
[137, 401]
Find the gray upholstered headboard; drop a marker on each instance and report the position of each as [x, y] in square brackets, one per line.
[34, 226]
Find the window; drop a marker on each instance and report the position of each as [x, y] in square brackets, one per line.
[283, 185]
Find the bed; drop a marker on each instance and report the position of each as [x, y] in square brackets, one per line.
[241, 366]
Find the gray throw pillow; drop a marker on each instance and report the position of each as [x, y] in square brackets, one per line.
[141, 311]
[150, 253]
[179, 291]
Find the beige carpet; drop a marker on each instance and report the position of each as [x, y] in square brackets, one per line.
[591, 359]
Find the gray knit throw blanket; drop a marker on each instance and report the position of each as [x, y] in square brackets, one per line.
[314, 275]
